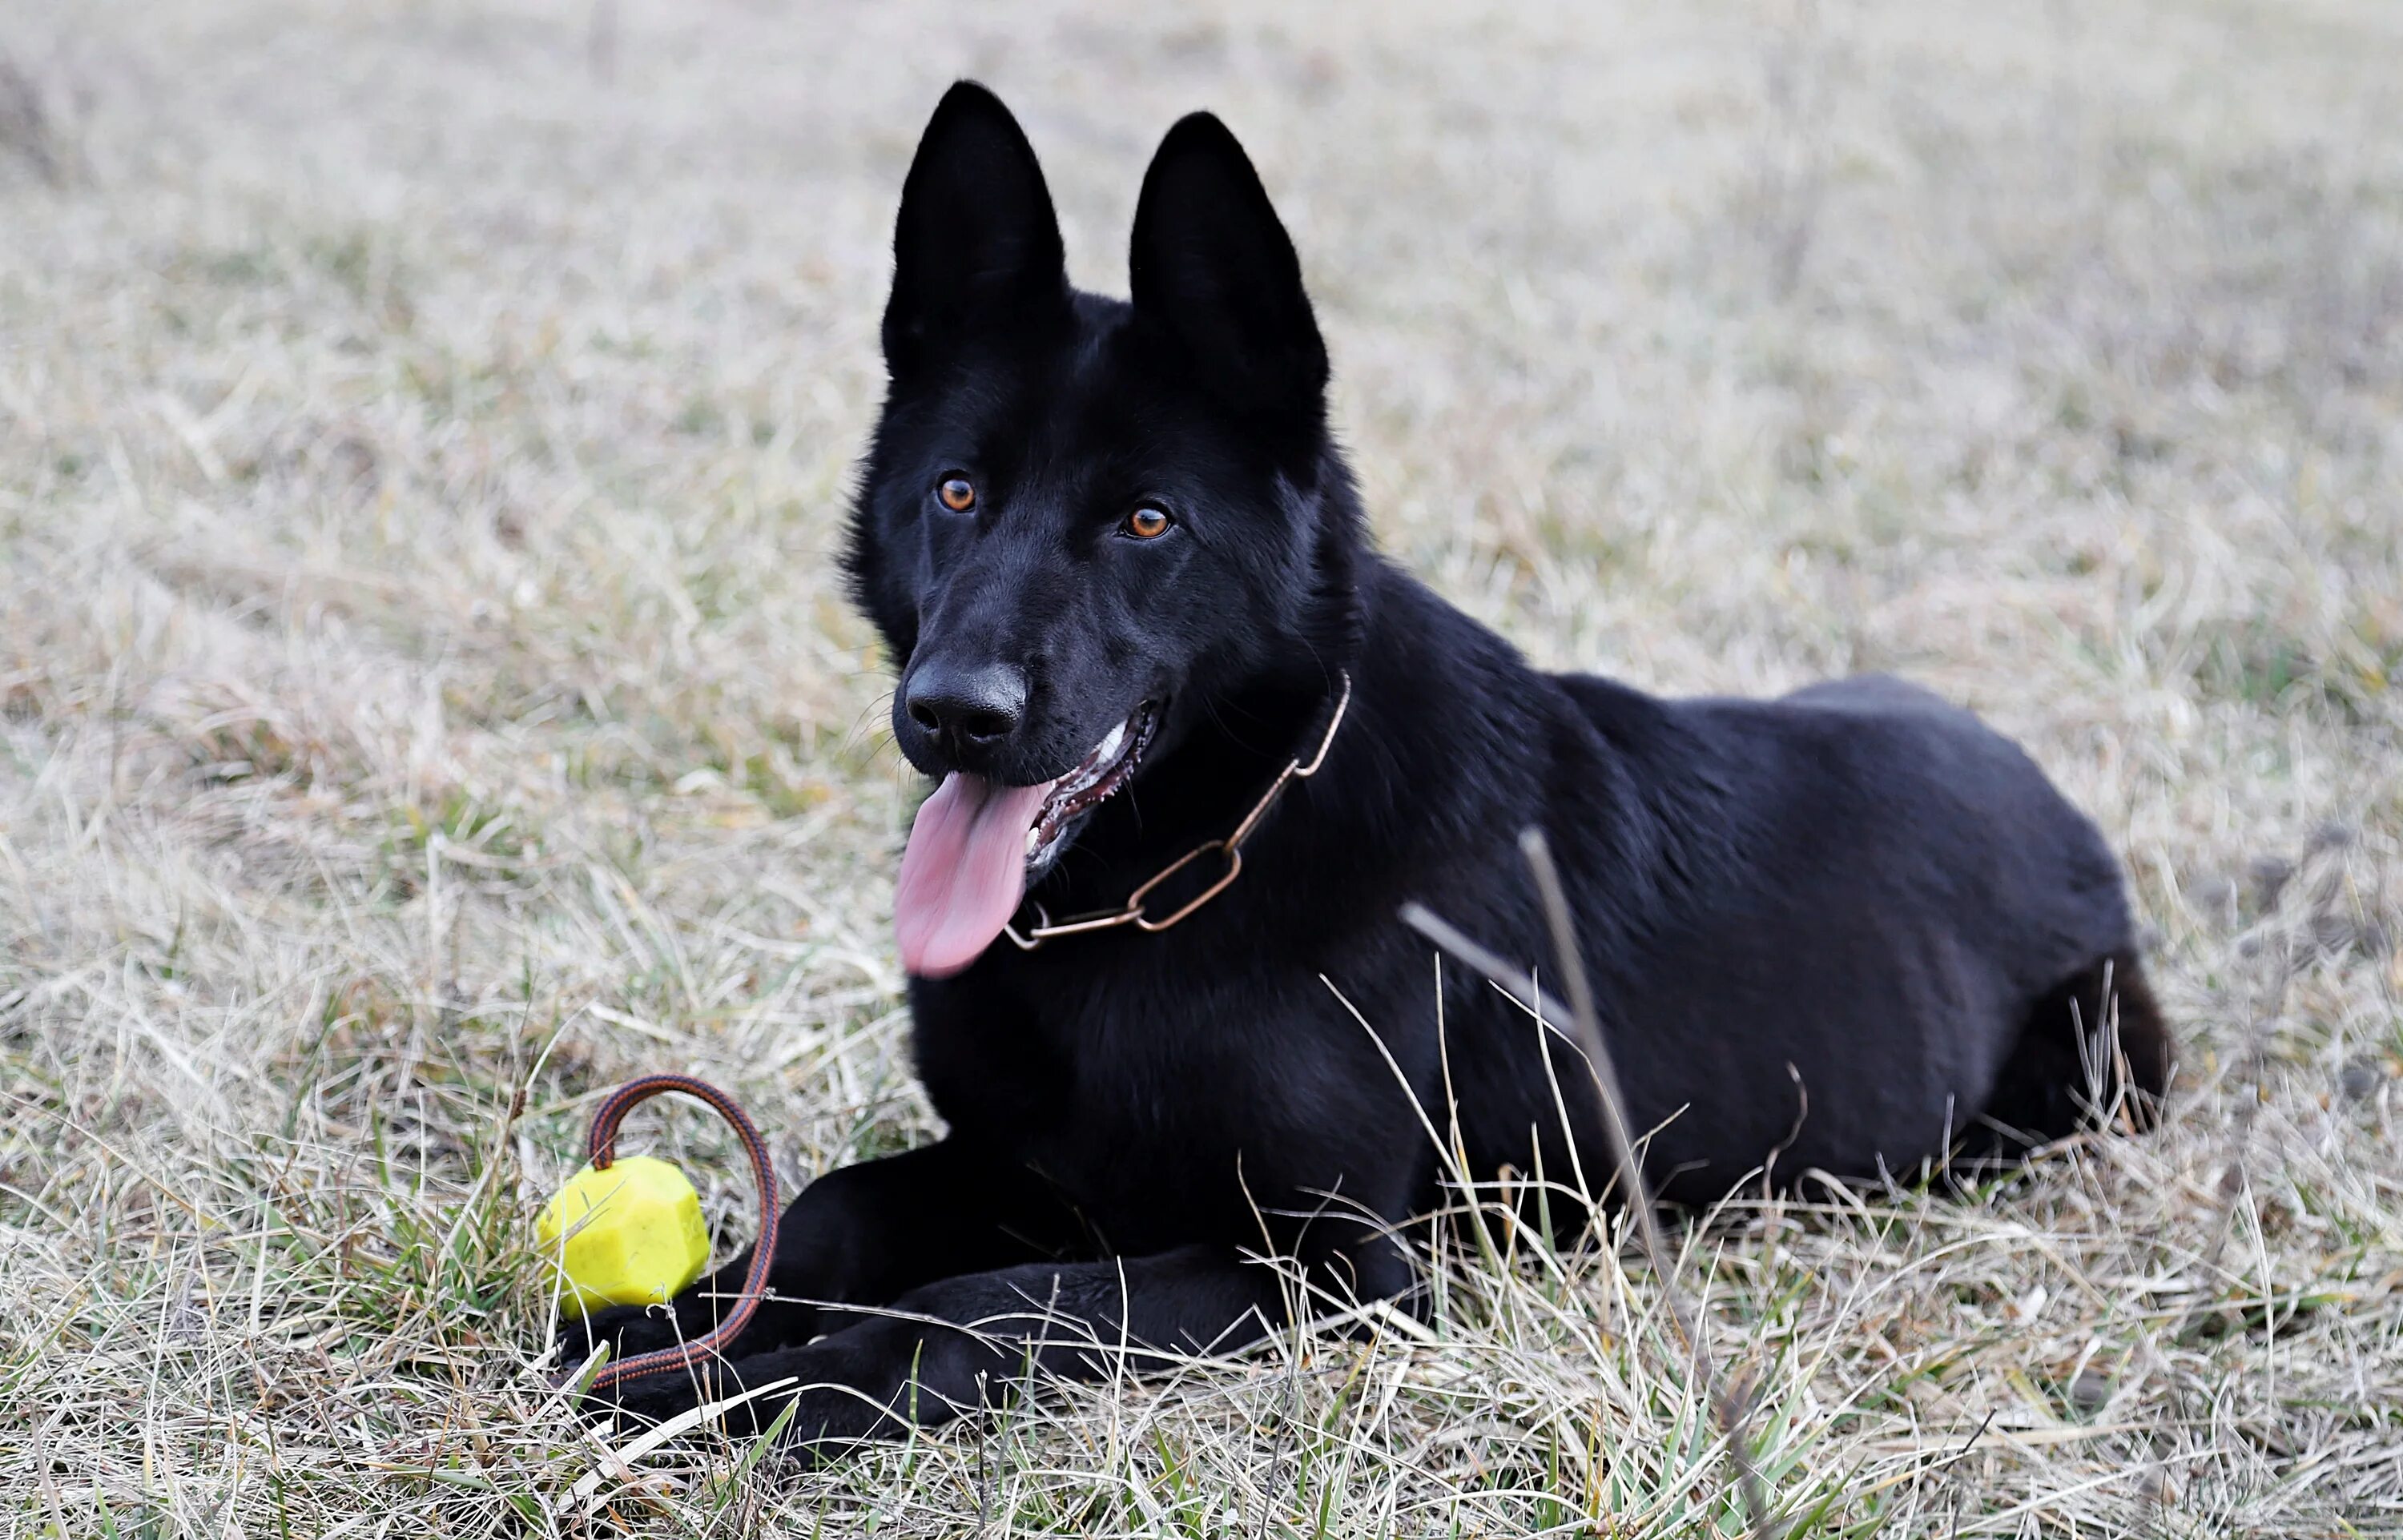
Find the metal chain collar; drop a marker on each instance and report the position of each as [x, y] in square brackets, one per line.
[1230, 849]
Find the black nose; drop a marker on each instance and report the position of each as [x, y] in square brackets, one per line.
[972, 706]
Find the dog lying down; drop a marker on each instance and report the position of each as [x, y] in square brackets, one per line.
[1119, 557]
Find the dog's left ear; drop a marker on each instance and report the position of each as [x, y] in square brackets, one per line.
[1211, 263]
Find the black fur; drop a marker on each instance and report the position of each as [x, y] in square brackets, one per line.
[1835, 931]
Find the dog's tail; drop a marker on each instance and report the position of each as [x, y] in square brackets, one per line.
[2094, 1049]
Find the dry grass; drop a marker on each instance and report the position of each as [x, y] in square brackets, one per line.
[422, 428]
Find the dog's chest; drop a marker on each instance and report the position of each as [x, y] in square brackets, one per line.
[1148, 1098]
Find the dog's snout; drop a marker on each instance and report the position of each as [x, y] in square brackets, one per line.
[967, 707]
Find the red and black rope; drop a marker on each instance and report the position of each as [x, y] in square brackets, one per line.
[602, 1149]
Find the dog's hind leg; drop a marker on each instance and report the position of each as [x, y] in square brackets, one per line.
[2095, 1045]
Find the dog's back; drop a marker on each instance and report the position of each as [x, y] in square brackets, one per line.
[1886, 924]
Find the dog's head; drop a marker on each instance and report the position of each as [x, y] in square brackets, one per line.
[1082, 518]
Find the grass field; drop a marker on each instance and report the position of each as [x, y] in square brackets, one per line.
[425, 700]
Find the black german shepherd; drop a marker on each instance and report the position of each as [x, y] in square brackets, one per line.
[1120, 562]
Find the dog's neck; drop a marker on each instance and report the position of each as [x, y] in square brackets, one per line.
[1225, 752]
[1434, 752]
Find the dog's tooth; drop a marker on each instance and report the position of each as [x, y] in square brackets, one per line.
[1096, 768]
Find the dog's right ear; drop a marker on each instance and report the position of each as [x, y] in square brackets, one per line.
[977, 246]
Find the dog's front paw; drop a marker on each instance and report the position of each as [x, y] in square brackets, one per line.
[837, 1397]
[651, 1399]
[628, 1330]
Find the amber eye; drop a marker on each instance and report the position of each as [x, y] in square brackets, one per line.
[958, 492]
[1145, 523]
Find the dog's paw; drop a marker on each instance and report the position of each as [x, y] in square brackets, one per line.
[835, 1399]
[650, 1400]
[628, 1329]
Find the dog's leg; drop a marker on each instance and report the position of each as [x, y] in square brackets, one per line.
[953, 1346]
[861, 1234]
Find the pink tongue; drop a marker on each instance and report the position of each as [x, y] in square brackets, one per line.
[963, 872]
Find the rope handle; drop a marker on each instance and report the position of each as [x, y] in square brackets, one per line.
[602, 1148]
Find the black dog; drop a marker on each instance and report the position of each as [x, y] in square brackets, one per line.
[1118, 558]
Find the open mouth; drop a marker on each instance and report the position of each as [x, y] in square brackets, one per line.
[1095, 780]
[975, 842]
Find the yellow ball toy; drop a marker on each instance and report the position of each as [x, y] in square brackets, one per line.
[630, 1234]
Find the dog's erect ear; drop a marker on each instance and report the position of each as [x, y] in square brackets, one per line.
[1212, 264]
[977, 247]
